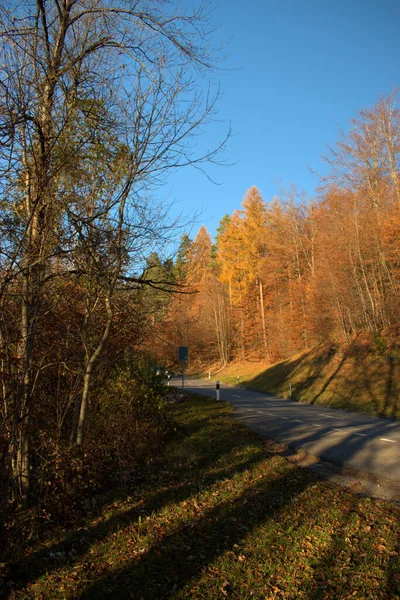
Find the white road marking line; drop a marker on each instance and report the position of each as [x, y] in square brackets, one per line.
[387, 440]
[286, 418]
[328, 416]
[316, 425]
[361, 434]
[270, 414]
[298, 421]
[236, 396]
[335, 429]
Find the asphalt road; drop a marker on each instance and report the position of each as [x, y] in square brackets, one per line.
[364, 443]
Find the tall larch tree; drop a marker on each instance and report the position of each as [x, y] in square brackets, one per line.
[255, 220]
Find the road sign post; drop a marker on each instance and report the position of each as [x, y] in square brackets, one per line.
[183, 355]
[217, 390]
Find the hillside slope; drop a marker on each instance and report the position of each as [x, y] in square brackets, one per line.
[357, 377]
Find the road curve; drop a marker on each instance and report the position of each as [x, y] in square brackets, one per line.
[352, 440]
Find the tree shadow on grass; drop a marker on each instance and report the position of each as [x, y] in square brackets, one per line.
[286, 373]
[391, 406]
[178, 558]
[329, 380]
[370, 388]
[164, 483]
[355, 382]
[272, 377]
[185, 553]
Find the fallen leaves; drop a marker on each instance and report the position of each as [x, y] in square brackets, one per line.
[224, 587]
[264, 531]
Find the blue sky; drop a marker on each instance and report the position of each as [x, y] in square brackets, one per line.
[296, 71]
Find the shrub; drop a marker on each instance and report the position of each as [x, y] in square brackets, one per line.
[127, 427]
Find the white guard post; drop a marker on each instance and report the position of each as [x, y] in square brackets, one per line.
[217, 390]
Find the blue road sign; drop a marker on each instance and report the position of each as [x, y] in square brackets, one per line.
[183, 353]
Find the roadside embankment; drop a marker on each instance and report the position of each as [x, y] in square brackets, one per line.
[357, 377]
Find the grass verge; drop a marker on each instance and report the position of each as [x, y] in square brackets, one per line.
[219, 515]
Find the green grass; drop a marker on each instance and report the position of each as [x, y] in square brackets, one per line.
[220, 515]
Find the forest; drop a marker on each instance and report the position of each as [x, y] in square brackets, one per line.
[286, 274]
[90, 299]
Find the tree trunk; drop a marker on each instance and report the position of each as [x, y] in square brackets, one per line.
[242, 345]
[20, 434]
[88, 374]
[264, 330]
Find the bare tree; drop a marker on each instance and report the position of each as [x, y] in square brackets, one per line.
[97, 102]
